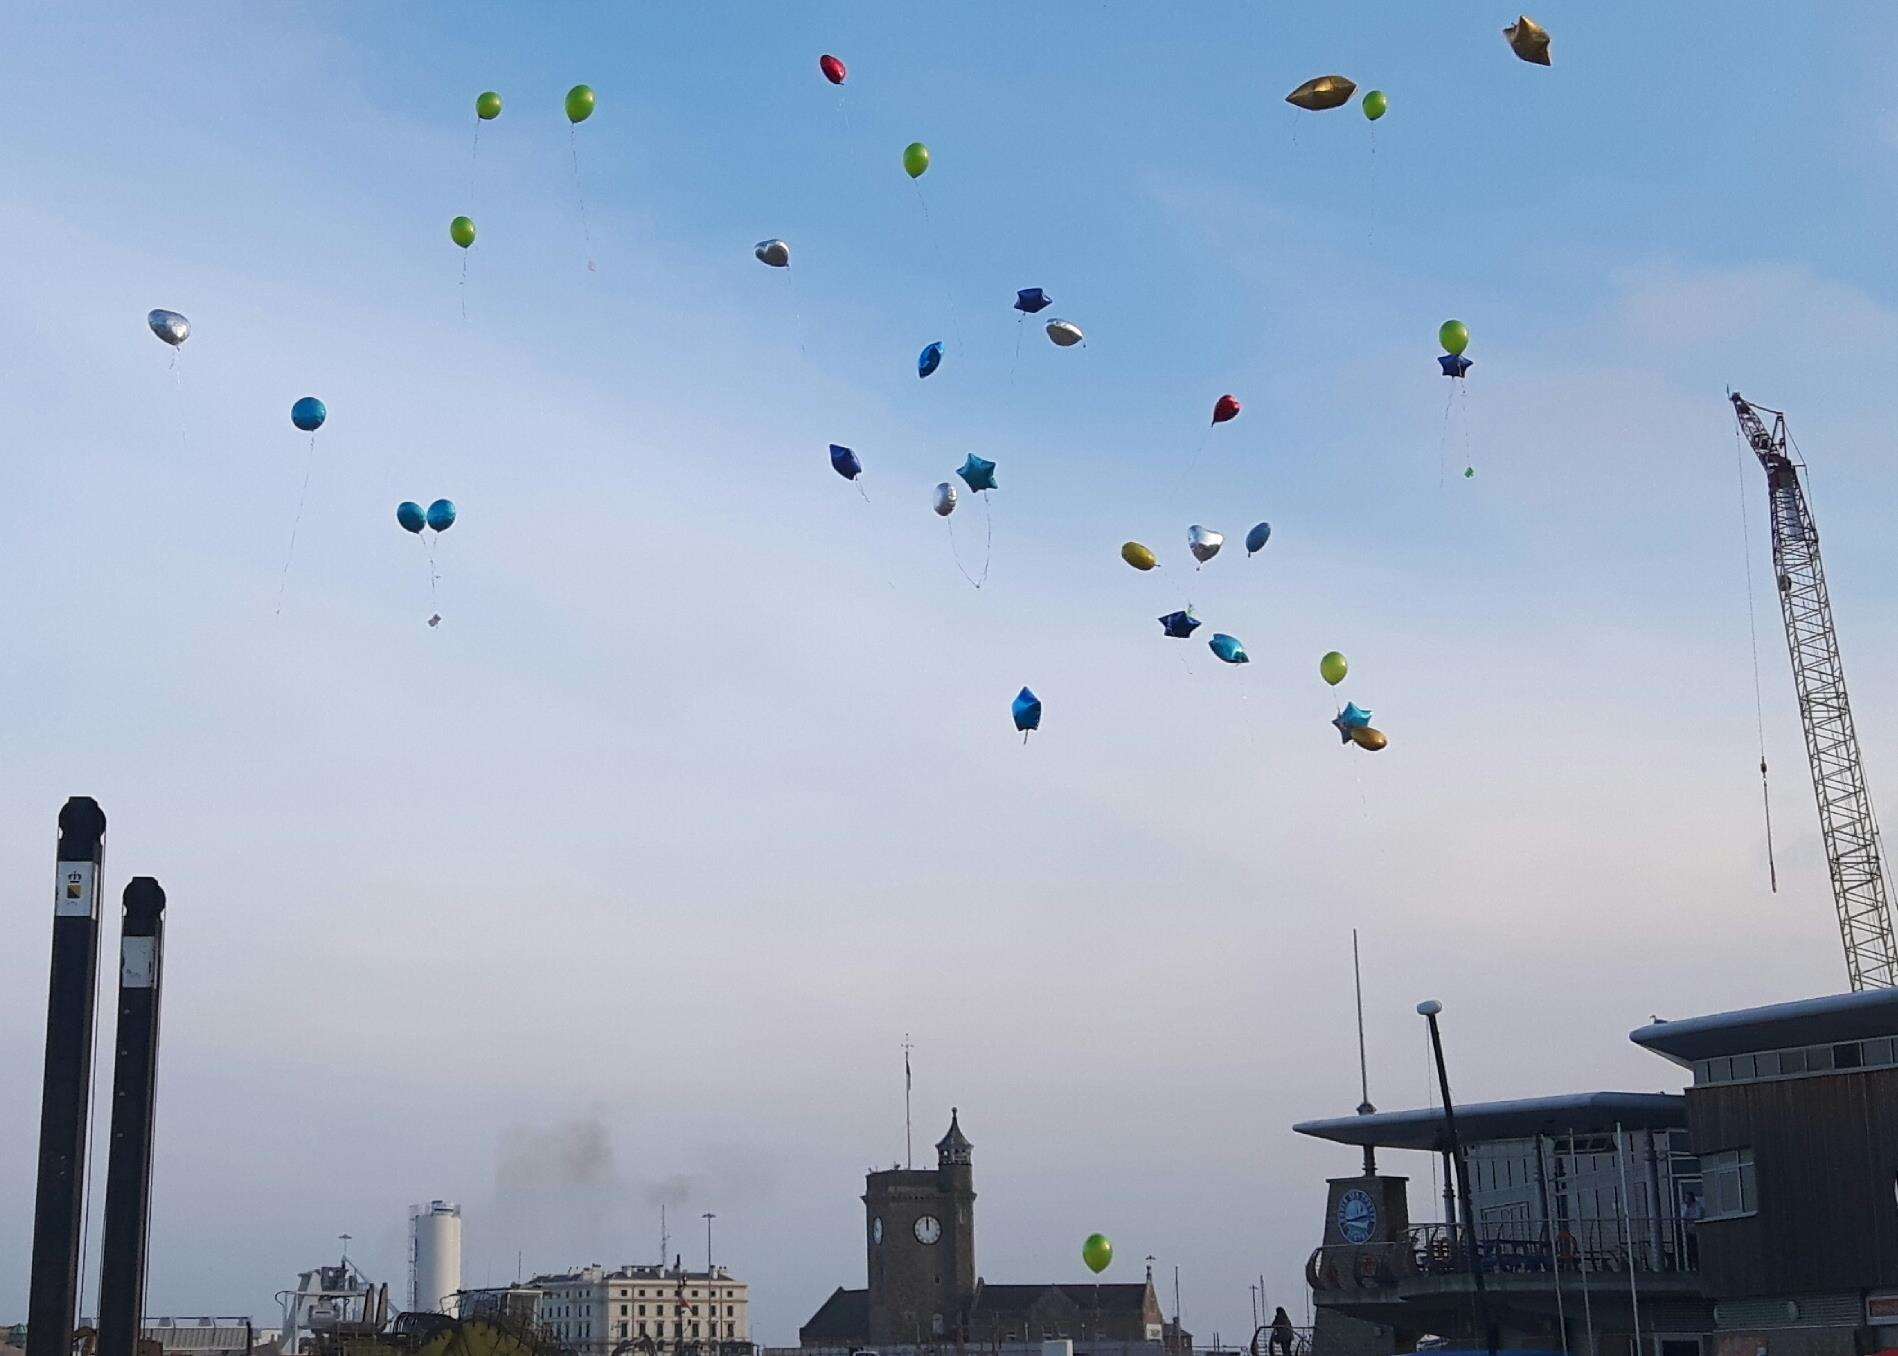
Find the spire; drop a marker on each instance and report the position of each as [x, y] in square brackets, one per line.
[954, 1147]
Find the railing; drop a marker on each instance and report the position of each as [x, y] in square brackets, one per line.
[1506, 1248]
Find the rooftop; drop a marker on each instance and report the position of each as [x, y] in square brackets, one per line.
[1578, 1113]
[1809, 1021]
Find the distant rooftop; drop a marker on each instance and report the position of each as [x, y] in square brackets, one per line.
[1580, 1113]
[1810, 1021]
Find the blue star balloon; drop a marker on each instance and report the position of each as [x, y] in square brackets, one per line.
[844, 462]
[1454, 364]
[978, 472]
[1027, 712]
[410, 515]
[1179, 625]
[309, 413]
[1228, 649]
[441, 514]
[1353, 717]
[1031, 300]
[1258, 537]
[929, 359]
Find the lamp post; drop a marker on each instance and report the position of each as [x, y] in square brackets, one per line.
[1428, 1010]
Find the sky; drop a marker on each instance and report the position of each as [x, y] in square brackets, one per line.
[623, 886]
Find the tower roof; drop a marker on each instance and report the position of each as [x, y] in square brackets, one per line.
[953, 1147]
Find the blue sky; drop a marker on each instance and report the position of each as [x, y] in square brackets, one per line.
[704, 792]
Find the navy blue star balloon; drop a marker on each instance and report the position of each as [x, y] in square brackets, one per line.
[844, 462]
[1454, 364]
[1179, 625]
[1031, 300]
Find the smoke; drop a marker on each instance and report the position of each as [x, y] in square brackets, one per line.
[675, 1190]
[575, 1153]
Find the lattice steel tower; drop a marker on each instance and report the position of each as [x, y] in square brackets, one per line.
[1846, 821]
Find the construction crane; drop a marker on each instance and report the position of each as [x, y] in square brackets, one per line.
[1846, 822]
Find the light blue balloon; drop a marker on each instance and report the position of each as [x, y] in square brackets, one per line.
[308, 414]
[441, 514]
[410, 515]
[1353, 717]
[1258, 537]
[1228, 649]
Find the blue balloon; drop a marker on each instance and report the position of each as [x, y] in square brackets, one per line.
[1027, 712]
[1031, 300]
[844, 462]
[441, 514]
[1229, 649]
[1454, 364]
[978, 472]
[410, 515]
[308, 414]
[929, 359]
[1179, 625]
[1353, 717]
[1258, 537]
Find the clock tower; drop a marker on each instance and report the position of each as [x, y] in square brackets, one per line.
[920, 1237]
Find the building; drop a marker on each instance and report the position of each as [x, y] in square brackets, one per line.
[924, 1287]
[646, 1308]
[434, 1257]
[1755, 1215]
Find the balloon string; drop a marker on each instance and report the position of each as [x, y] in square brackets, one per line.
[942, 269]
[860, 490]
[284, 581]
[464, 287]
[1192, 460]
[956, 555]
[1019, 325]
[580, 193]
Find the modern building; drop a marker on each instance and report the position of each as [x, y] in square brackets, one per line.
[1757, 1215]
[924, 1289]
[646, 1308]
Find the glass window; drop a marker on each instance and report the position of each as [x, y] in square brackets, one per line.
[1792, 1061]
[1846, 1056]
[1766, 1065]
[1720, 1070]
[1878, 1051]
[1743, 1066]
[1729, 1185]
[1818, 1058]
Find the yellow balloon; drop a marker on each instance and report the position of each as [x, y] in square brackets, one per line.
[1367, 738]
[1528, 40]
[1138, 556]
[1332, 668]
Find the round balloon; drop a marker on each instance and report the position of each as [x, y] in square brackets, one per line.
[1138, 556]
[833, 69]
[1376, 105]
[441, 514]
[1065, 333]
[1333, 667]
[1256, 539]
[487, 106]
[410, 515]
[173, 328]
[773, 252]
[915, 159]
[1097, 1252]
[945, 500]
[309, 413]
[1454, 335]
[462, 231]
[580, 103]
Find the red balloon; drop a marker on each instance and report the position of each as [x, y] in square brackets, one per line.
[832, 68]
[1226, 407]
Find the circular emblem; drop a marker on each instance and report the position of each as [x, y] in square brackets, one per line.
[1357, 1216]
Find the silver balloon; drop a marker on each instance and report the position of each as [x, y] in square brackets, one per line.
[773, 252]
[1203, 542]
[945, 501]
[173, 328]
[1065, 333]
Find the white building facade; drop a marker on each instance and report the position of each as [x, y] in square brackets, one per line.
[645, 1308]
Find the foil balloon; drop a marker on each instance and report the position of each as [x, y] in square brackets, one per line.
[1376, 104]
[945, 500]
[173, 328]
[1026, 709]
[978, 473]
[487, 106]
[1454, 335]
[1333, 667]
[833, 69]
[1256, 539]
[1226, 408]
[580, 103]
[915, 159]
[1528, 40]
[1138, 556]
[1228, 649]
[1179, 625]
[1065, 333]
[1353, 717]
[1454, 364]
[1203, 542]
[462, 231]
[410, 515]
[309, 413]
[441, 515]
[1322, 92]
[775, 253]
[1367, 738]
[1097, 1252]
[1031, 300]
[929, 359]
[844, 462]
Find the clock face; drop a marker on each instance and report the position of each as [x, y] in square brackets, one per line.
[1357, 1216]
[876, 1229]
[928, 1229]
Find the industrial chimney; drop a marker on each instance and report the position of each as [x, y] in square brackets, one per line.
[434, 1257]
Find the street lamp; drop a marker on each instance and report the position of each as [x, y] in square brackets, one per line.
[1428, 1010]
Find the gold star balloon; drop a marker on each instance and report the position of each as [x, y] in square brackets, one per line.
[1528, 40]
[1325, 91]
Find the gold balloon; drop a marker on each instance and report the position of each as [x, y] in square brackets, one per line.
[1327, 91]
[1367, 738]
[1138, 556]
[1528, 40]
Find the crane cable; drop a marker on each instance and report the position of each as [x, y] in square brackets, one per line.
[1753, 637]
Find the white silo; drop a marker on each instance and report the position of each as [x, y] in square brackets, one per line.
[434, 1257]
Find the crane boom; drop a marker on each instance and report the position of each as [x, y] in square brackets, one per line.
[1846, 822]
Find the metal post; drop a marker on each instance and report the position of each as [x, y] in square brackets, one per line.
[71, 999]
[128, 1174]
[1429, 1009]
[1627, 1218]
[1364, 1077]
[1583, 1259]
[1555, 1252]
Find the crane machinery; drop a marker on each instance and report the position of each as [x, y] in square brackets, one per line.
[1846, 822]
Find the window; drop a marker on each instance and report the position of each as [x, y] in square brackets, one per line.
[1792, 1061]
[1719, 1070]
[1878, 1051]
[1767, 1065]
[1728, 1184]
[1846, 1056]
[1818, 1058]
[622, 1311]
[642, 1308]
[1743, 1066]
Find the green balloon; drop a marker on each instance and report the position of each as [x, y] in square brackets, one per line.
[1376, 104]
[461, 231]
[488, 106]
[1454, 335]
[1097, 1252]
[916, 159]
[1333, 667]
[579, 103]
[1468, 472]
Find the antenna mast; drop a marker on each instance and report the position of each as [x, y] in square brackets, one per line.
[1364, 1076]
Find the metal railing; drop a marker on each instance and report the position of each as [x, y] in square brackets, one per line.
[1511, 1247]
